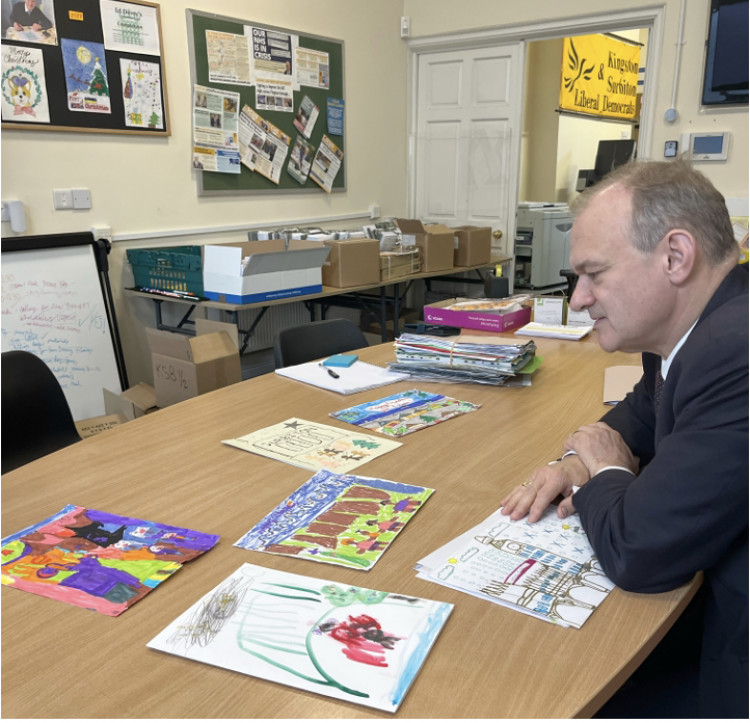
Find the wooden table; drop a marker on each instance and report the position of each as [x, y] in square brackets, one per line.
[328, 296]
[171, 467]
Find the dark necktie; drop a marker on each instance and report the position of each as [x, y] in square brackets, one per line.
[658, 387]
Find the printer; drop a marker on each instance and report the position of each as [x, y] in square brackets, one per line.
[542, 244]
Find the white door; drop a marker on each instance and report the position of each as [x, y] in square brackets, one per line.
[468, 124]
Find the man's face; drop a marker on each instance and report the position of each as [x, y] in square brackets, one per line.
[30, 5]
[625, 291]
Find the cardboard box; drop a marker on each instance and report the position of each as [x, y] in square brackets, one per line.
[437, 313]
[472, 245]
[185, 366]
[399, 264]
[434, 241]
[132, 403]
[255, 271]
[352, 262]
[208, 326]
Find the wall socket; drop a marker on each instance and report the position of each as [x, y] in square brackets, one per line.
[104, 232]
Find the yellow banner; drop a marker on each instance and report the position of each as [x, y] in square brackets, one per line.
[599, 76]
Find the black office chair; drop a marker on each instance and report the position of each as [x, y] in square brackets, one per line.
[316, 339]
[35, 414]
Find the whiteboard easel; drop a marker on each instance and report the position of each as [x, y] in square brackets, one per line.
[57, 304]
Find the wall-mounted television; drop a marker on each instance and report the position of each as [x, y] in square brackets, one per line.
[725, 76]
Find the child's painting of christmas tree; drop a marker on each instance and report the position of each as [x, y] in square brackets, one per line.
[85, 76]
[141, 93]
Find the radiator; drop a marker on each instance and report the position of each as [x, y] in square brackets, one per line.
[282, 316]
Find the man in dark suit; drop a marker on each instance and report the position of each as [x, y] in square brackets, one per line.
[661, 482]
[27, 15]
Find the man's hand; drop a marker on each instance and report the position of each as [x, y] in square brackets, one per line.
[542, 486]
[597, 446]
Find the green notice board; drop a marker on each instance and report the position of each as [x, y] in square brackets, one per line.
[248, 181]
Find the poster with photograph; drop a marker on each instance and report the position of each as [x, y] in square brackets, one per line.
[263, 146]
[24, 88]
[274, 93]
[86, 76]
[30, 21]
[272, 51]
[300, 160]
[326, 164]
[312, 67]
[306, 116]
[216, 145]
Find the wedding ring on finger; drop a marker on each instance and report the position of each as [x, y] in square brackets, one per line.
[527, 483]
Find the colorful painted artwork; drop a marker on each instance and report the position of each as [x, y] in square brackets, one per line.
[86, 77]
[341, 519]
[351, 643]
[24, 87]
[314, 446]
[404, 412]
[546, 569]
[97, 560]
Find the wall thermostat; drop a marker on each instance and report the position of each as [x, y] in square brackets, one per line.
[670, 149]
[708, 146]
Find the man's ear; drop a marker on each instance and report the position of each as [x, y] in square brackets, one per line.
[681, 254]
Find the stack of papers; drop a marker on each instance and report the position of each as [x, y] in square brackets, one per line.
[546, 569]
[358, 377]
[554, 331]
[479, 359]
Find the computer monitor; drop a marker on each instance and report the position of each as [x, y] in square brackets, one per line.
[611, 154]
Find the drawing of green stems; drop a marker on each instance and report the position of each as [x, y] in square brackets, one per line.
[327, 679]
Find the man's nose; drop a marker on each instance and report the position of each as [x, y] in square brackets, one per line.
[581, 297]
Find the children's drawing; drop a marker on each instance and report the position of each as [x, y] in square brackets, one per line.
[404, 412]
[141, 93]
[340, 519]
[85, 76]
[314, 446]
[546, 569]
[359, 645]
[24, 87]
[97, 560]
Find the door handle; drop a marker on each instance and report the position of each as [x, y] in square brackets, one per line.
[497, 234]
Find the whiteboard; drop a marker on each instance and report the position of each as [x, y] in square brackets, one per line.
[53, 305]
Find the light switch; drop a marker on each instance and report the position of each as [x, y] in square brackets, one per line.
[81, 198]
[62, 199]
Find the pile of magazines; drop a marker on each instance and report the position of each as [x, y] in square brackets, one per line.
[464, 359]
